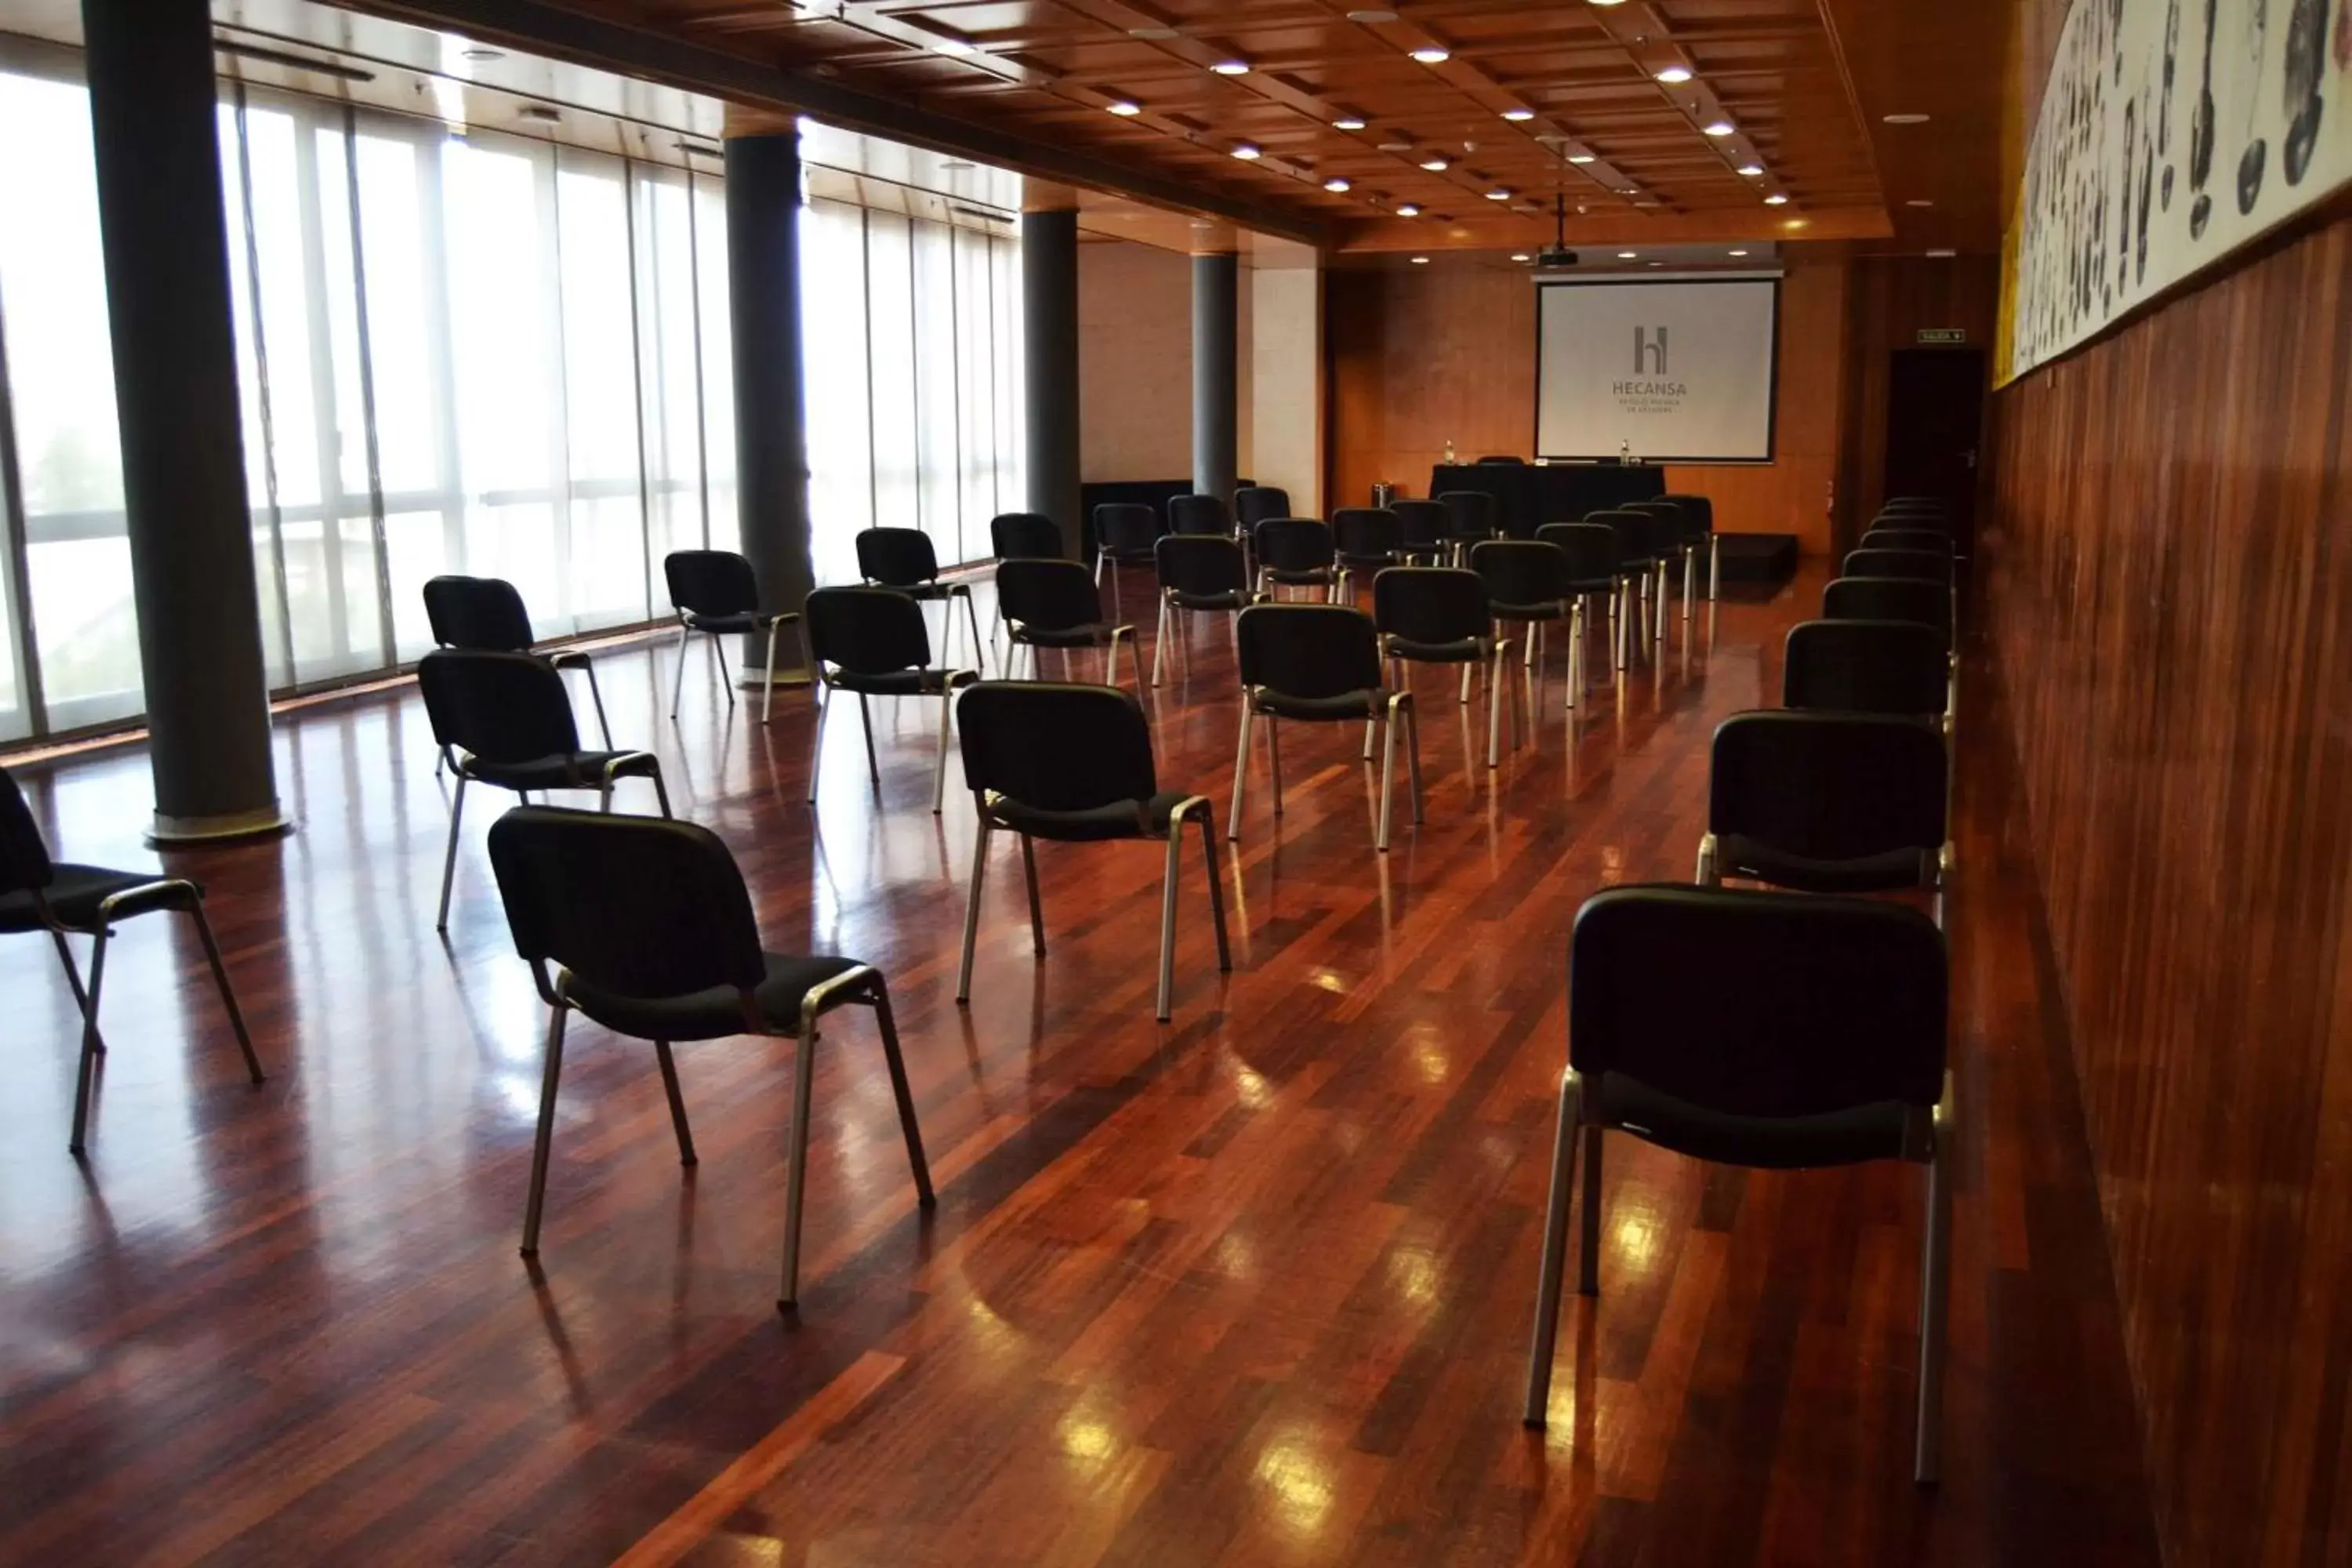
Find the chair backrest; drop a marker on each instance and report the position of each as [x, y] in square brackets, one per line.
[1807, 1005]
[636, 906]
[1309, 650]
[1829, 786]
[1889, 599]
[896, 557]
[1201, 563]
[1055, 747]
[1026, 536]
[1470, 514]
[1667, 529]
[1197, 514]
[711, 582]
[1936, 504]
[502, 707]
[24, 862]
[1588, 550]
[1636, 531]
[1923, 565]
[1294, 544]
[1698, 513]
[1254, 504]
[1865, 666]
[1048, 596]
[865, 631]
[1430, 604]
[1933, 540]
[1519, 572]
[477, 613]
[1367, 532]
[1914, 517]
[1126, 527]
[1426, 523]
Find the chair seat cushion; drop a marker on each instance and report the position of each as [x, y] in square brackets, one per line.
[717, 1013]
[1545, 612]
[930, 591]
[1299, 576]
[1466, 651]
[1890, 871]
[77, 890]
[902, 682]
[1234, 600]
[574, 770]
[1092, 636]
[750, 621]
[1838, 1138]
[1347, 705]
[1119, 819]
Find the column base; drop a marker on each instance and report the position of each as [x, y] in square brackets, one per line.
[266, 822]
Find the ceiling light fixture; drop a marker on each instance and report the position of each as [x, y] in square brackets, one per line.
[1349, 123]
[1431, 55]
[1735, 253]
[1918, 202]
[1580, 157]
[1246, 150]
[1335, 184]
[1675, 75]
[1124, 107]
[1627, 255]
[1230, 68]
[1520, 256]
[1776, 200]
[1517, 115]
[1407, 209]
[1907, 119]
[1750, 171]
[1421, 261]
[1943, 255]
[1434, 165]
[480, 53]
[949, 46]
[1719, 128]
[1500, 193]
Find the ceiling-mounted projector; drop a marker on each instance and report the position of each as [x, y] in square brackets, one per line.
[1554, 255]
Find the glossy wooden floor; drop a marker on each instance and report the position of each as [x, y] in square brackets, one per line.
[1253, 1286]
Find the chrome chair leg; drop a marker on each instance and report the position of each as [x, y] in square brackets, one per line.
[1216, 890]
[971, 912]
[1935, 1285]
[887, 1023]
[1587, 1266]
[1159, 642]
[866, 722]
[1690, 578]
[220, 979]
[726, 681]
[83, 1081]
[550, 1076]
[678, 687]
[1714, 566]
[939, 767]
[1547, 1274]
[796, 1152]
[1167, 916]
[1274, 760]
[676, 1103]
[596, 697]
[767, 691]
[73, 979]
[1036, 910]
[1707, 875]
[1241, 771]
[824, 699]
[1403, 702]
[448, 864]
[1388, 773]
[972, 616]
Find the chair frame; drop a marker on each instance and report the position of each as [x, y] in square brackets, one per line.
[1384, 708]
[935, 589]
[1171, 629]
[1494, 655]
[826, 682]
[768, 623]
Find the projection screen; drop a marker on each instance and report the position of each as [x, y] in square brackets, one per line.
[1681, 370]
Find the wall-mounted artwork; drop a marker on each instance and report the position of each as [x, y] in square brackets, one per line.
[2171, 132]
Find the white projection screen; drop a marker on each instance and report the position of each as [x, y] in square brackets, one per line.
[1681, 370]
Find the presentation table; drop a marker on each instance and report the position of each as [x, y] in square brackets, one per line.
[1529, 495]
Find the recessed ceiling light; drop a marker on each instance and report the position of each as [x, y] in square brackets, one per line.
[1657, 264]
[1943, 255]
[1407, 209]
[1335, 184]
[1230, 68]
[1431, 57]
[1675, 75]
[1516, 115]
[1246, 150]
[480, 52]
[1776, 200]
[1348, 123]
[1907, 119]
[1719, 128]
[1627, 255]
[1918, 202]
[1371, 16]
[1520, 256]
[1433, 164]
[1580, 157]
[1736, 253]
[1393, 146]
[949, 46]
[1421, 261]
[1498, 195]
[1752, 170]
[1795, 222]
[1124, 107]
[1152, 34]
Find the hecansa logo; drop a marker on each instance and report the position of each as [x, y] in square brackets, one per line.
[1650, 351]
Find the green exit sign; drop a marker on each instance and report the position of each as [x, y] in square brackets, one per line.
[1942, 334]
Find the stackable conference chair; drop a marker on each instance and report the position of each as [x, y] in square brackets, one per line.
[1424, 524]
[1254, 504]
[1934, 541]
[38, 894]
[1817, 1038]
[1200, 514]
[1319, 664]
[714, 593]
[1296, 552]
[1073, 764]
[649, 929]
[1469, 519]
[505, 719]
[1199, 574]
[1439, 615]
[1918, 565]
[1125, 535]
[1365, 539]
[1698, 536]
[903, 558]
[1828, 803]
[1641, 540]
[1890, 599]
[1025, 536]
[1592, 571]
[1526, 584]
[1931, 506]
[1055, 603]
[1867, 667]
[1670, 544]
[872, 642]
[488, 613]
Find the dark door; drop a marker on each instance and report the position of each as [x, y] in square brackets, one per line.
[1935, 412]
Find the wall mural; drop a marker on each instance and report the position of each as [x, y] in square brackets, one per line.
[2171, 132]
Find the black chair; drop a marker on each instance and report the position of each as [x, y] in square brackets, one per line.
[1890, 599]
[1469, 518]
[1818, 1037]
[1867, 666]
[714, 593]
[1365, 539]
[1254, 504]
[1296, 552]
[1698, 535]
[1917, 565]
[1590, 564]
[1318, 664]
[1526, 583]
[1935, 541]
[1125, 535]
[1642, 541]
[505, 719]
[1438, 615]
[1199, 574]
[1055, 603]
[872, 642]
[1670, 542]
[488, 613]
[1199, 514]
[1026, 536]
[1828, 803]
[38, 894]
[1425, 524]
[1073, 764]
[650, 932]
[903, 558]
[1932, 506]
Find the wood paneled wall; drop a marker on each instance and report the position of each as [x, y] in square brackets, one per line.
[1423, 356]
[2168, 590]
[1135, 364]
[1889, 300]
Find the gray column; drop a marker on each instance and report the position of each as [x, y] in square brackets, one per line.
[165, 240]
[763, 288]
[1215, 420]
[1049, 340]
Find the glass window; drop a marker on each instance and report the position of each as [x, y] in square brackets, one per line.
[834, 313]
